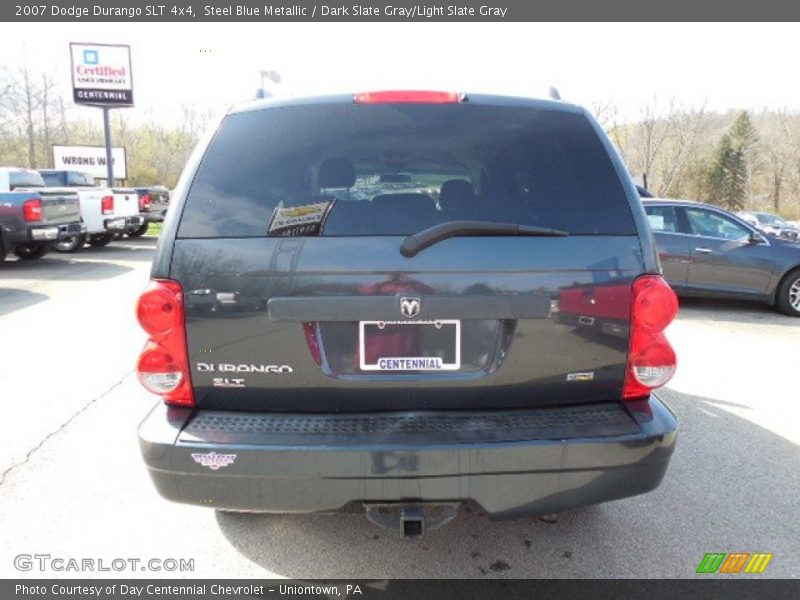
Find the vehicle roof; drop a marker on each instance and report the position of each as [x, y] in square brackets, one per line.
[485, 99]
[681, 202]
[63, 171]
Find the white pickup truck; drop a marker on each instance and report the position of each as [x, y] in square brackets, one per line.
[106, 212]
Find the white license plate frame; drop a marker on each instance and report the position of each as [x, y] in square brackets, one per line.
[441, 365]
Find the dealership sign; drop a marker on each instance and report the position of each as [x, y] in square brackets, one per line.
[101, 74]
[90, 159]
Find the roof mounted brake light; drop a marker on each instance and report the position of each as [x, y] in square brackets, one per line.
[409, 97]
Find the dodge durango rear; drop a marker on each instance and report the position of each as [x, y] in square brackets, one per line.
[403, 302]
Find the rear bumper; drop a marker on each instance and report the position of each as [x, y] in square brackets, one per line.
[511, 463]
[133, 223]
[154, 216]
[48, 233]
[115, 224]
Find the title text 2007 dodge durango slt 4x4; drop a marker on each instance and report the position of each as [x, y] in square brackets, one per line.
[403, 301]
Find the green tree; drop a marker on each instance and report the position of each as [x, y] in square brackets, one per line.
[743, 134]
[728, 174]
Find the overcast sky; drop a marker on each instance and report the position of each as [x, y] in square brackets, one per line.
[723, 66]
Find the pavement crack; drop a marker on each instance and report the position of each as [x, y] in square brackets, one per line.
[28, 455]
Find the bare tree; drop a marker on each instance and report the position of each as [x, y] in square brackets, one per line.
[23, 106]
[684, 126]
[605, 113]
[654, 130]
[47, 88]
[29, 98]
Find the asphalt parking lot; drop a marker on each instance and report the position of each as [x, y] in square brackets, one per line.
[72, 483]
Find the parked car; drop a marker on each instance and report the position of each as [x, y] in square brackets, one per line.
[153, 205]
[771, 224]
[391, 352]
[106, 212]
[707, 251]
[33, 216]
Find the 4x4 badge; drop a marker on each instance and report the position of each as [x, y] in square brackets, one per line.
[409, 307]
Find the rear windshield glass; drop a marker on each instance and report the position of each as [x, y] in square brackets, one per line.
[53, 179]
[23, 179]
[348, 170]
[80, 179]
[72, 178]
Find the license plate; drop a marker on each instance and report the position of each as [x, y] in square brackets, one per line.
[51, 233]
[409, 345]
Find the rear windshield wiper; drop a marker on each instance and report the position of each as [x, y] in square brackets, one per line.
[417, 242]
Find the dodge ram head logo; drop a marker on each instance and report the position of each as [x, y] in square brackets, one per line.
[409, 307]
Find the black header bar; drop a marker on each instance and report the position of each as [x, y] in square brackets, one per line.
[398, 11]
[699, 588]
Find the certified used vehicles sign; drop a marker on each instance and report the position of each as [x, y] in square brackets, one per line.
[101, 74]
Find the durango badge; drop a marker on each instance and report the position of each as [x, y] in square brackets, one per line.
[214, 461]
[409, 307]
[228, 368]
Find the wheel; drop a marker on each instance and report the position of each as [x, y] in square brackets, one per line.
[139, 232]
[71, 244]
[31, 251]
[788, 298]
[2, 250]
[101, 240]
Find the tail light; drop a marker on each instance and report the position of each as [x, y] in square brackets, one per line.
[310, 331]
[144, 202]
[163, 366]
[107, 205]
[32, 210]
[651, 359]
[409, 96]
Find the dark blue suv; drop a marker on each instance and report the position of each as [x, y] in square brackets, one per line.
[403, 301]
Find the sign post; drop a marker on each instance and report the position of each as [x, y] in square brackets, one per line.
[102, 77]
[107, 140]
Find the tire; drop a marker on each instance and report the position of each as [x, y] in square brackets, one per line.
[31, 251]
[2, 250]
[787, 299]
[72, 244]
[101, 240]
[139, 232]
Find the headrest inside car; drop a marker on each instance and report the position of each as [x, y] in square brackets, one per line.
[454, 192]
[336, 172]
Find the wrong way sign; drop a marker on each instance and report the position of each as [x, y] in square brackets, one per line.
[90, 159]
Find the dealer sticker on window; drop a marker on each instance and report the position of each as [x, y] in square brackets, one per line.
[307, 219]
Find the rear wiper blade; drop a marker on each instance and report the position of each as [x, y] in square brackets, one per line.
[417, 242]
